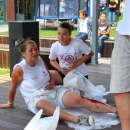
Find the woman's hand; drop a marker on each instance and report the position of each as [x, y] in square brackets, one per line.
[7, 105]
[50, 86]
[72, 66]
[4, 106]
[64, 70]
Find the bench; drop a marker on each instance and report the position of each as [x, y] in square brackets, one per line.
[45, 44]
[107, 47]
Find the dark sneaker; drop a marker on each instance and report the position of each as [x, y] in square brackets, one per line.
[85, 120]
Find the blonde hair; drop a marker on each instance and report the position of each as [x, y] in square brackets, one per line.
[84, 12]
[22, 44]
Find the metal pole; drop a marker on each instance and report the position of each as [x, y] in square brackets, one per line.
[94, 40]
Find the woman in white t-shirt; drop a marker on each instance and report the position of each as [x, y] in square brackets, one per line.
[39, 91]
[69, 52]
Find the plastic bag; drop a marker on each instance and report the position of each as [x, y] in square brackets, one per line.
[76, 81]
[46, 123]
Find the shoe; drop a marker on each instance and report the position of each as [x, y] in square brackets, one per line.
[99, 55]
[85, 120]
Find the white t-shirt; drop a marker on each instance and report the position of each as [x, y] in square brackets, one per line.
[123, 26]
[83, 26]
[34, 79]
[70, 53]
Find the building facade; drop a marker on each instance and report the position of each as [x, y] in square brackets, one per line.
[11, 10]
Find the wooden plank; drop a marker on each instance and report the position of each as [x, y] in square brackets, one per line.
[4, 59]
[17, 118]
[1, 128]
[11, 126]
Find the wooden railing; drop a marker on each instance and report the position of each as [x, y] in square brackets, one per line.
[45, 44]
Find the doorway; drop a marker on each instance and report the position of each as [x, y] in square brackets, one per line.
[22, 9]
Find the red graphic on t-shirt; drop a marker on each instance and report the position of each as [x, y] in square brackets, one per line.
[68, 58]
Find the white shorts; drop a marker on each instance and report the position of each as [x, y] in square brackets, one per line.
[53, 96]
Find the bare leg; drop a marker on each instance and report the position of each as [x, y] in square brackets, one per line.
[122, 101]
[76, 101]
[57, 78]
[49, 110]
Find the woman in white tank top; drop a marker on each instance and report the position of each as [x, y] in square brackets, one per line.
[40, 92]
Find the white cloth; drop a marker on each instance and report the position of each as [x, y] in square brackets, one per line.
[34, 79]
[123, 26]
[83, 26]
[70, 53]
[102, 120]
[46, 123]
[76, 81]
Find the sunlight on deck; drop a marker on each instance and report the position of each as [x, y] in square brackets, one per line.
[5, 78]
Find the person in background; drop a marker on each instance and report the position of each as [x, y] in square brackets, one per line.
[39, 91]
[103, 31]
[62, 8]
[122, 5]
[82, 29]
[112, 12]
[120, 68]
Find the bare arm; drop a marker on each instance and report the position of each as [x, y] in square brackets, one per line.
[80, 61]
[51, 82]
[17, 77]
[51, 78]
[55, 65]
[112, 6]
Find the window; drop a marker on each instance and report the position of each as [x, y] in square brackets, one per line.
[2, 15]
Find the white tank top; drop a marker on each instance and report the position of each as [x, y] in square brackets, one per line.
[34, 79]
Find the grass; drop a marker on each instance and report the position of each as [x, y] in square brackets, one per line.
[4, 33]
[52, 31]
[4, 71]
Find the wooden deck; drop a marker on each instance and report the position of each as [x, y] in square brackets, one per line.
[17, 118]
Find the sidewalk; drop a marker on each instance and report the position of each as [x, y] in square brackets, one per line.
[104, 60]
